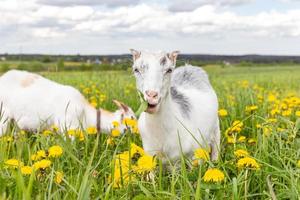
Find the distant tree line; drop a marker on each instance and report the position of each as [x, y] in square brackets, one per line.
[37, 62]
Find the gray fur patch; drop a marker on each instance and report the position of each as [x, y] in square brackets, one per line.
[191, 77]
[182, 101]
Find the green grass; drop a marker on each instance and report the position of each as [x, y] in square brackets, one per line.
[87, 164]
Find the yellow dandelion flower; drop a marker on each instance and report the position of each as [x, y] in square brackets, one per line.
[242, 139]
[251, 108]
[40, 154]
[146, 163]
[115, 124]
[22, 132]
[94, 104]
[252, 141]
[59, 177]
[54, 128]
[298, 163]
[267, 131]
[231, 140]
[110, 141]
[47, 132]
[241, 153]
[26, 170]
[55, 151]
[222, 112]
[71, 132]
[286, 113]
[92, 130]
[195, 163]
[213, 175]
[115, 132]
[297, 113]
[248, 162]
[271, 98]
[42, 164]
[201, 154]
[135, 149]
[13, 163]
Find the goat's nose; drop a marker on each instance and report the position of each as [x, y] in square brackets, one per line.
[151, 94]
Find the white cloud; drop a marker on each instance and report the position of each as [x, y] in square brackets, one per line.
[184, 6]
[109, 3]
[34, 20]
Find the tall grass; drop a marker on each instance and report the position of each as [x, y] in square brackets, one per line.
[87, 164]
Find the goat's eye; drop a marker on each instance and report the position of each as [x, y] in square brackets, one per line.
[169, 71]
[136, 70]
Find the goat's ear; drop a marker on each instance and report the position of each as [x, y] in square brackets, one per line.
[121, 105]
[173, 56]
[135, 54]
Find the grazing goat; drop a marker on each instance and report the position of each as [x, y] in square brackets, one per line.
[182, 112]
[32, 100]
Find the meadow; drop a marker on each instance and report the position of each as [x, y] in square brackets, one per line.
[259, 155]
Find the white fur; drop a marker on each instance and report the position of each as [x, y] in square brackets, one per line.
[32, 100]
[168, 131]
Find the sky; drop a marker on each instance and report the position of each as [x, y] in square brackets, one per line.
[235, 27]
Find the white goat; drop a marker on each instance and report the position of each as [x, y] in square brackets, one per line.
[182, 106]
[31, 100]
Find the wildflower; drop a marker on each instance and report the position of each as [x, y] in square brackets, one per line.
[251, 141]
[13, 163]
[26, 170]
[91, 130]
[115, 132]
[94, 104]
[286, 113]
[223, 113]
[298, 163]
[195, 163]
[250, 109]
[71, 132]
[58, 177]
[236, 127]
[55, 151]
[241, 153]
[272, 120]
[54, 128]
[47, 132]
[242, 139]
[134, 149]
[213, 175]
[130, 122]
[267, 131]
[22, 132]
[201, 154]
[110, 141]
[297, 113]
[271, 98]
[248, 162]
[115, 124]
[80, 134]
[231, 140]
[42, 164]
[146, 163]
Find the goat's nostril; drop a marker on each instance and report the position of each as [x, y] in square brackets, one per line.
[151, 93]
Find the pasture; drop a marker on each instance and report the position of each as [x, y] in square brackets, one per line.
[260, 157]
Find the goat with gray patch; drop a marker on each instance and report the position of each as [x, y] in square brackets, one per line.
[182, 106]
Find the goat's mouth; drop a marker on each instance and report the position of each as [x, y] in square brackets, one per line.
[152, 108]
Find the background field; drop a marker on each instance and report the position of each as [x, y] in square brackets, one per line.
[86, 165]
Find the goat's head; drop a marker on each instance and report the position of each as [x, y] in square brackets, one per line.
[153, 75]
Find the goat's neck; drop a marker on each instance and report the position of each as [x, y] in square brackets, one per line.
[106, 119]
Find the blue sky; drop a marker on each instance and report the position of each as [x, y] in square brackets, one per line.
[114, 26]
